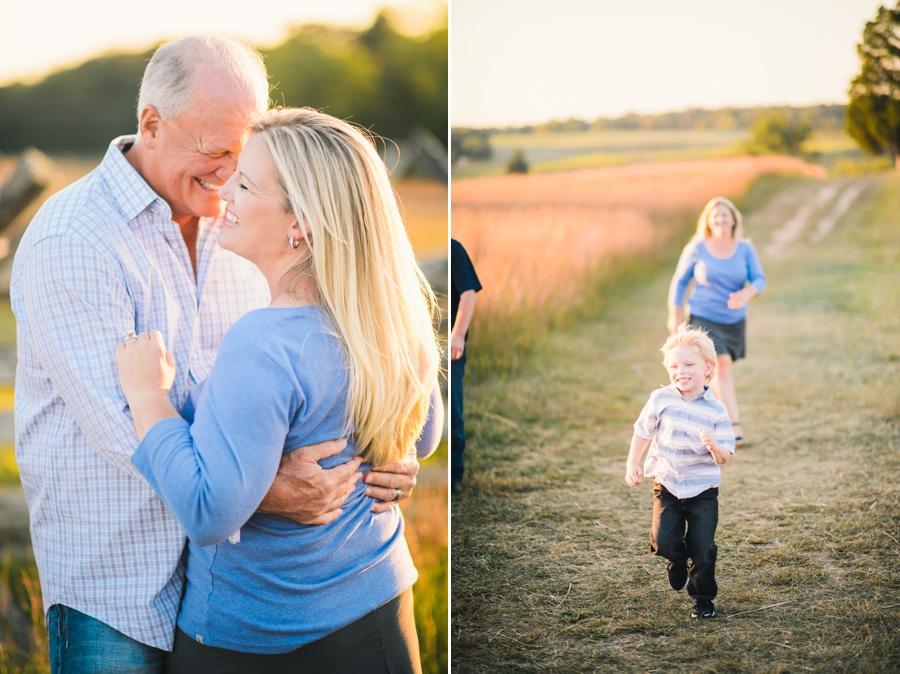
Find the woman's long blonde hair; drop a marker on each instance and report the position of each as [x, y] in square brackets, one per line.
[703, 222]
[365, 271]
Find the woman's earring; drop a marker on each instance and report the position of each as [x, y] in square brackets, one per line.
[294, 242]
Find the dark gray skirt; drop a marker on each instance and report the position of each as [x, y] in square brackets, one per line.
[730, 339]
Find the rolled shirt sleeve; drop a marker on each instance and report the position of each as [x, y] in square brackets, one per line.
[647, 423]
[724, 433]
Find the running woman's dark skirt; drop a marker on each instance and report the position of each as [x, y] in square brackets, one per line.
[730, 339]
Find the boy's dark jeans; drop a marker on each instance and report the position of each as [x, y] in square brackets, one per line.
[667, 536]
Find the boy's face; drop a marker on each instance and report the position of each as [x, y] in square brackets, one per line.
[687, 370]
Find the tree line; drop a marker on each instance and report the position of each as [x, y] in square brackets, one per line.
[819, 117]
[779, 129]
[380, 78]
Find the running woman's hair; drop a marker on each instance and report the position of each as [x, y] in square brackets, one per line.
[698, 338]
[365, 271]
[703, 230]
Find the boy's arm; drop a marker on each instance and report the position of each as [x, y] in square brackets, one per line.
[634, 474]
[719, 453]
[463, 318]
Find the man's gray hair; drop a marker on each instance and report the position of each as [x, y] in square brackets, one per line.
[170, 77]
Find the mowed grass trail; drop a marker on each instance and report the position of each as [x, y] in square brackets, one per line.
[551, 570]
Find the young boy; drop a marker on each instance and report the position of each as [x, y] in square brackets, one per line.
[690, 436]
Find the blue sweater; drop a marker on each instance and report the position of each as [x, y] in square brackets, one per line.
[715, 279]
[278, 383]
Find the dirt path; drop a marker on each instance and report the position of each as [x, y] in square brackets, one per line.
[551, 570]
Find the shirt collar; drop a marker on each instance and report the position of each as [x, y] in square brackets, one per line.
[129, 190]
[706, 395]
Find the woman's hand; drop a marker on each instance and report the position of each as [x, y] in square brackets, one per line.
[742, 297]
[146, 373]
[145, 367]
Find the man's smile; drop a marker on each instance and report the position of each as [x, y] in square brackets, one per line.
[207, 186]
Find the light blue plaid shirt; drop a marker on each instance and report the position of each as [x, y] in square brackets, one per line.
[677, 459]
[100, 258]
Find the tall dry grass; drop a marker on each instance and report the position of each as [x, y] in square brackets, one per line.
[547, 247]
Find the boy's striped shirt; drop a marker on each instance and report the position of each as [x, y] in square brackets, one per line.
[677, 459]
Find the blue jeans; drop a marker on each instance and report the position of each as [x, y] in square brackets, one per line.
[668, 538]
[80, 644]
[457, 425]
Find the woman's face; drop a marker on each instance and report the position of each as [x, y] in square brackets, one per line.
[721, 222]
[256, 225]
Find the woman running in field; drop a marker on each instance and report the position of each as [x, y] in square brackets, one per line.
[727, 275]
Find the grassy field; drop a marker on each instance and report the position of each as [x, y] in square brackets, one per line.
[23, 639]
[550, 557]
[539, 241]
[548, 152]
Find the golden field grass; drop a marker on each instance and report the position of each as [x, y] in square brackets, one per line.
[23, 639]
[551, 563]
[543, 244]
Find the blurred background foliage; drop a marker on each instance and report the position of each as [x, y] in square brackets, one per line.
[380, 78]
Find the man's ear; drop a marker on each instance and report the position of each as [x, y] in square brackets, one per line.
[148, 126]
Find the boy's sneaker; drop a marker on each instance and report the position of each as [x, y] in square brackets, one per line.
[703, 608]
[678, 576]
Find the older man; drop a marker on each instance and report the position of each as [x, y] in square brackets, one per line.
[132, 247]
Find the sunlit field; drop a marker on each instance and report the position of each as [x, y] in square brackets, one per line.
[23, 639]
[551, 563]
[550, 152]
[547, 246]
[547, 152]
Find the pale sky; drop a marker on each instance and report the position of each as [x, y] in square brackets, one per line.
[37, 36]
[528, 61]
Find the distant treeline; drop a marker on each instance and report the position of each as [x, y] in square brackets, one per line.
[379, 78]
[820, 117]
[475, 142]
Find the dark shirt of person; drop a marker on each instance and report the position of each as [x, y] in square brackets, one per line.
[462, 277]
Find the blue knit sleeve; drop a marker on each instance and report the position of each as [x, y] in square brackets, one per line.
[434, 425]
[213, 474]
[754, 269]
[683, 274]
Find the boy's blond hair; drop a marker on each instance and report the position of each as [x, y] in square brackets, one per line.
[698, 338]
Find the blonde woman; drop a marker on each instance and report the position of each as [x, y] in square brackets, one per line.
[727, 274]
[346, 346]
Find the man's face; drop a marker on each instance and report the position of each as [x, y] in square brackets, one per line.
[195, 152]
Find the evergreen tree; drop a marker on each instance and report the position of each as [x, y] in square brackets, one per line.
[873, 115]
